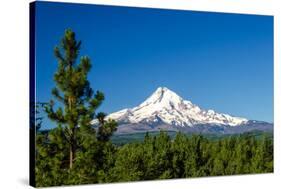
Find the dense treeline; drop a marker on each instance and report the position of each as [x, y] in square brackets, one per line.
[161, 158]
[75, 152]
[157, 157]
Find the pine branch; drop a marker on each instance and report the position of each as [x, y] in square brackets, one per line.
[57, 95]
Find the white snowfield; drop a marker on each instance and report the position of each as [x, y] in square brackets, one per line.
[166, 106]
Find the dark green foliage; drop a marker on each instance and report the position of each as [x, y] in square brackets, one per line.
[121, 139]
[73, 91]
[159, 157]
[74, 152]
[106, 128]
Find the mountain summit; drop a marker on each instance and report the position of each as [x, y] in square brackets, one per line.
[165, 107]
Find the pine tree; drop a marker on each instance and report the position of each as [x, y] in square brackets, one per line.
[180, 148]
[73, 92]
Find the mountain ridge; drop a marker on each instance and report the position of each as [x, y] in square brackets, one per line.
[166, 110]
[172, 109]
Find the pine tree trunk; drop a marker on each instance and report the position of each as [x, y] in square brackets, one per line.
[71, 150]
[71, 156]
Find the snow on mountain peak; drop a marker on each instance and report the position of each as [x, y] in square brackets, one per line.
[161, 97]
[166, 106]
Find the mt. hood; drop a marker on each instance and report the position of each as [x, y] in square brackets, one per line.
[164, 109]
[166, 106]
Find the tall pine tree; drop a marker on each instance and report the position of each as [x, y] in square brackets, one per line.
[77, 100]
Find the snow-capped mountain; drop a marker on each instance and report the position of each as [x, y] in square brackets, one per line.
[166, 107]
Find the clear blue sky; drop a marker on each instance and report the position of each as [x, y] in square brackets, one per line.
[218, 61]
